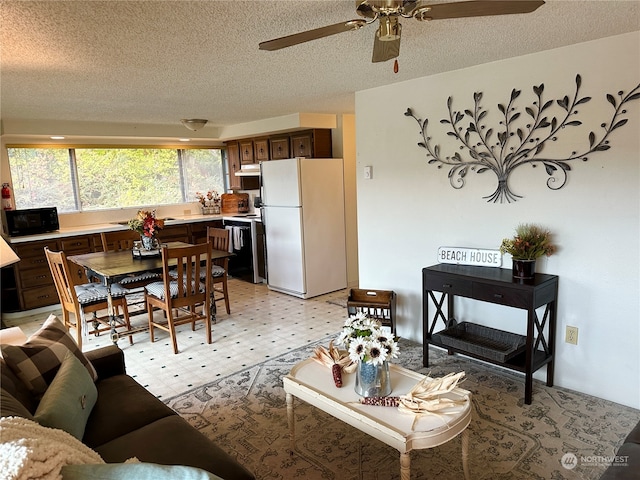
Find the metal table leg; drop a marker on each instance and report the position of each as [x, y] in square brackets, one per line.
[213, 310]
[112, 315]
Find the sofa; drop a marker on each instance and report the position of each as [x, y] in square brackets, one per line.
[626, 464]
[126, 422]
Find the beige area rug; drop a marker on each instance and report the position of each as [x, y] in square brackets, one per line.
[245, 414]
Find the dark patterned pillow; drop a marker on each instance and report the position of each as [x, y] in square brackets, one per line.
[37, 361]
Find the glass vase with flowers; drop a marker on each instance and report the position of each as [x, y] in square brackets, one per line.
[371, 348]
[147, 225]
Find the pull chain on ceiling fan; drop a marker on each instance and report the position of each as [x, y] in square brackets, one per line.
[386, 42]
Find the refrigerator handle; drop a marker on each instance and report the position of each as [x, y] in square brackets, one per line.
[260, 184]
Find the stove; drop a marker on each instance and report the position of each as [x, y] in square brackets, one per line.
[247, 240]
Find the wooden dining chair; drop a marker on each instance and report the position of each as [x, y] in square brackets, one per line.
[219, 239]
[119, 240]
[184, 297]
[124, 240]
[78, 296]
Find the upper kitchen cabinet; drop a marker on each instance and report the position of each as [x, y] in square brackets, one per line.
[260, 149]
[246, 151]
[233, 162]
[279, 147]
[312, 144]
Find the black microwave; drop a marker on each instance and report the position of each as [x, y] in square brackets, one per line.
[30, 221]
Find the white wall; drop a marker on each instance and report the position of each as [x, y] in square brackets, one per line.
[409, 208]
[344, 146]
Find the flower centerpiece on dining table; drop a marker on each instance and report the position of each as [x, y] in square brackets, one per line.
[147, 225]
[371, 348]
[210, 202]
[528, 244]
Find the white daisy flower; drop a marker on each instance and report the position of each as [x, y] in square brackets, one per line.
[377, 353]
[357, 349]
[345, 336]
[392, 349]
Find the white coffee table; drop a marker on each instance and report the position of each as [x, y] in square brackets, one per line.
[313, 383]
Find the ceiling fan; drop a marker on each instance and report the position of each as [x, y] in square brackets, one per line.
[386, 44]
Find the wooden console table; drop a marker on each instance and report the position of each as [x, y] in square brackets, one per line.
[494, 285]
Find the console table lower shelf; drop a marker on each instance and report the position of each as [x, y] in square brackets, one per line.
[313, 383]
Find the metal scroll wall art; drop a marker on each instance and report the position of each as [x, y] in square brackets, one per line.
[514, 144]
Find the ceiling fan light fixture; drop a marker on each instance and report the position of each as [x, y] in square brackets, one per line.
[389, 29]
[194, 124]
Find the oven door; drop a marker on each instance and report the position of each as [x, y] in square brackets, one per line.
[243, 244]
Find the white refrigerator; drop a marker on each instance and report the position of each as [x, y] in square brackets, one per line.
[304, 224]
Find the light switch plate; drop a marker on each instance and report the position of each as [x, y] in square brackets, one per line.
[368, 172]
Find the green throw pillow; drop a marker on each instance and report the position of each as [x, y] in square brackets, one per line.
[137, 471]
[69, 399]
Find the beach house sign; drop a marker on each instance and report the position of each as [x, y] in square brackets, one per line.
[470, 256]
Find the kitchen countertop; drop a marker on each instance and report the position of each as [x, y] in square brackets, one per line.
[243, 217]
[111, 227]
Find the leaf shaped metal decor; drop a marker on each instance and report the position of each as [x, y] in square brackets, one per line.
[513, 144]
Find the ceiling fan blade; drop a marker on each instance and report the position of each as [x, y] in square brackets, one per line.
[384, 50]
[480, 8]
[296, 38]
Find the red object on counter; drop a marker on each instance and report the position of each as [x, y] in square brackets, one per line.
[6, 197]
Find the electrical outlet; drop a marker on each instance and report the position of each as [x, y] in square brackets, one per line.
[368, 172]
[571, 335]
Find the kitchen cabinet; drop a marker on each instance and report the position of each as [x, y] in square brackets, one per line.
[302, 145]
[234, 164]
[493, 285]
[175, 233]
[32, 275]
[279, 147]
[260, 150]
[312, 144]
[246, 151]
[77, 246]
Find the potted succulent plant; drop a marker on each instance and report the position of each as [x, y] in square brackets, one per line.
[528, 244]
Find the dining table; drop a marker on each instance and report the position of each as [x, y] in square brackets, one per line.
[111, 267]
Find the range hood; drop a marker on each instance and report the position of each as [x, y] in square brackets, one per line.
[249, 170]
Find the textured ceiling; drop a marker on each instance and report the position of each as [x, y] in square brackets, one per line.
[154, 62]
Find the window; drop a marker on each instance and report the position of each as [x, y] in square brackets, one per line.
[85, 179]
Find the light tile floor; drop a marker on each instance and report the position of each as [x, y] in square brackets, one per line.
[262, 324]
